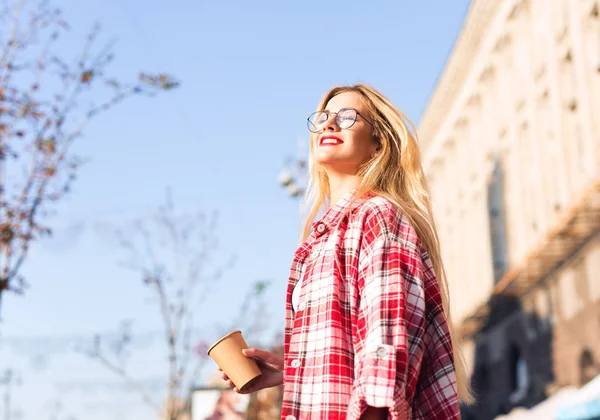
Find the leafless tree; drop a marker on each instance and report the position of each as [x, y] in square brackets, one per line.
[174, 255]
[44, 109]
[9, 379]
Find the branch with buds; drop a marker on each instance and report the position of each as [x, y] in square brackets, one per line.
[43, 112]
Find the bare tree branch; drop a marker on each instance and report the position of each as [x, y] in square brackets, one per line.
[121, 372]
[179, 278]
[42, 116]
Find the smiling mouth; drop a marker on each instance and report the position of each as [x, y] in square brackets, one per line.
[330, 141]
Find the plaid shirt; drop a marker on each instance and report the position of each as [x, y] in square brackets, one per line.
[369, 328]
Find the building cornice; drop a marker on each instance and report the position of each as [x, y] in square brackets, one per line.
[459, 65]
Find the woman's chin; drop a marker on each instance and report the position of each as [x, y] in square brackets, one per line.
[339, 167]
[328, 158]
[328, 162]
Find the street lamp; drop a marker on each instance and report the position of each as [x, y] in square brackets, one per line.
[294, 177]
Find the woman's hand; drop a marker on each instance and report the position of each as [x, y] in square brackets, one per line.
[271, 366]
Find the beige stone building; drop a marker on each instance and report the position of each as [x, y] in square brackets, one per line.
[511, 141]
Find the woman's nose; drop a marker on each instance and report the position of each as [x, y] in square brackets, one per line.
[331, 123]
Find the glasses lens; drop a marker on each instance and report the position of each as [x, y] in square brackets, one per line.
[316, 121]
[346, 118]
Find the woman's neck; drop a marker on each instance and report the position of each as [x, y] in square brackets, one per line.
[341, 185]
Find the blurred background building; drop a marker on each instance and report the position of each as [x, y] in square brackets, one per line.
[511, 141]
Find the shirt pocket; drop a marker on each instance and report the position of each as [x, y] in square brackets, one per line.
[320, 247]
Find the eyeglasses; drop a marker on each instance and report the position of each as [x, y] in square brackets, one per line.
[344, 118]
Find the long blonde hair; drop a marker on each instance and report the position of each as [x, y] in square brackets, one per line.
[395, 172]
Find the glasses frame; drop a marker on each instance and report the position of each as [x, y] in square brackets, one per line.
[329, 114]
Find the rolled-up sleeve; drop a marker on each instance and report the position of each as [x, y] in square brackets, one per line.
[381, 358]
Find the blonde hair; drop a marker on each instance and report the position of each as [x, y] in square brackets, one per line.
[396, 174]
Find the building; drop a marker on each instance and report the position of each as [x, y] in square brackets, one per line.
[511, 141]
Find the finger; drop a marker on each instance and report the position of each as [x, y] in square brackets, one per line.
[245, 391]
[257, 353]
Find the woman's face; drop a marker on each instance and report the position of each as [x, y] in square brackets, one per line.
[344, 150]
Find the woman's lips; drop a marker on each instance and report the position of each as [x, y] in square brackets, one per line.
[330, 141]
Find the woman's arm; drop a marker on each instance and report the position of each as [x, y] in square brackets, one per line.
[382, 355]
[385, 265]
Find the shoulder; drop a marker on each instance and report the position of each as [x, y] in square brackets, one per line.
[377, 210]
[380, 218]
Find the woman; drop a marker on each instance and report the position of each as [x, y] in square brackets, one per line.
[367, 333]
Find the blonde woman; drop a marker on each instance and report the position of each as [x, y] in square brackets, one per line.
[367, 332]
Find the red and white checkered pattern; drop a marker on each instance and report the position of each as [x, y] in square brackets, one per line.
[370, 329]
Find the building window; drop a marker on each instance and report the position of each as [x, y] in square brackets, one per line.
[589, 369]
[544, 309]
[555, 304]
[497, 220]
[580, 280]
[532, 325]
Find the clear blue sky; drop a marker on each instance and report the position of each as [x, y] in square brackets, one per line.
[251, 73]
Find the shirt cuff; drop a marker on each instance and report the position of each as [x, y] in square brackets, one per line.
[377, 376]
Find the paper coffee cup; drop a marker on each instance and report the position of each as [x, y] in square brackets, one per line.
[227, 353]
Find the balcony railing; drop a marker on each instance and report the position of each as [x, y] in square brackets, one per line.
[578, 225]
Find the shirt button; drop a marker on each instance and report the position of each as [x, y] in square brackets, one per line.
[381, 352]
[295, 363]
[302, 306]
[320, 228]
[290, 418]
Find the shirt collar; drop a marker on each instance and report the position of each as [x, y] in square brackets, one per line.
[333, 215]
